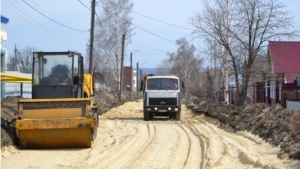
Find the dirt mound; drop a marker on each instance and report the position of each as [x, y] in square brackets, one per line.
[107, 101]
[276, 125]
[9, 111]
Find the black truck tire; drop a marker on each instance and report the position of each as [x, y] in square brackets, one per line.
[150, 115]
[146, 116]
[177, 116]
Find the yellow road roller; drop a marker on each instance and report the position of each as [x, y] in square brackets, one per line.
[62, 112]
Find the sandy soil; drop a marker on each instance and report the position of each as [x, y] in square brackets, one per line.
[126, 141]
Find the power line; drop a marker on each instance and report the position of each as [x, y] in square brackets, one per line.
[144, 29]
[134, 25]
[162, 21]
[37, 26]
[84, 5]
[153, 33]
[40, 25]
[52, 19]
[64, 33]
[89, 9]
[95, 13]
[148, 47]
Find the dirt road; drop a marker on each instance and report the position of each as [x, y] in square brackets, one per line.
[126, 141]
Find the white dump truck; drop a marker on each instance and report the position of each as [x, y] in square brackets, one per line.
[161, 96]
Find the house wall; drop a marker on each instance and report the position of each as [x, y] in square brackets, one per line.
[127, 78]
[289, 93]
[273, 93]
[282, 94]
[293, 105]
[3, 35]
[259, 95]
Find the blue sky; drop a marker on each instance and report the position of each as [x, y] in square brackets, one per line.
[28, 27]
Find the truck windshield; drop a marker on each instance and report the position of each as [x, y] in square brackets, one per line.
[52, 69]
[162, 84]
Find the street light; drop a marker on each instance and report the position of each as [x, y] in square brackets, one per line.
[131, 69]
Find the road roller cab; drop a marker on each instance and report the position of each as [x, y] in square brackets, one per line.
[62, 112]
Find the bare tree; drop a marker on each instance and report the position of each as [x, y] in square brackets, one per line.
[243, 28]
[185, 63]
[112, 22]
[213, 81]
[22, 59]
[165, 67]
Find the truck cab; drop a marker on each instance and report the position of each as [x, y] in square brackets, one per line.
[161, 96]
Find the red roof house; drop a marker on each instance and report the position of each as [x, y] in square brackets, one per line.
[284, 66]
[285, 59]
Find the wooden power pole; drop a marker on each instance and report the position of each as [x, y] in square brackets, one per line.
[137, 80]
[131, 70]
[92, 35]
[121, 74]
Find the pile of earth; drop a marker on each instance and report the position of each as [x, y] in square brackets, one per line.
[9, 111]
[106, 100]
[276, 125]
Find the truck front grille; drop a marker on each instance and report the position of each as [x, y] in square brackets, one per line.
[162, 101]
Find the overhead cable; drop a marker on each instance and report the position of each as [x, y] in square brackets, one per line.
[37, 26]
[153, 33]
[52, 19]
[162, 21]
[84, 5]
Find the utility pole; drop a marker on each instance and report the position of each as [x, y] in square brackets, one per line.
[92, 35]
[130, 73]
[15, 59]
[137, 80]
[121, 74]
[141, 75]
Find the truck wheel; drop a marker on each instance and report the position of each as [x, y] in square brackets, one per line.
[171, 115]
[150, 115]
[146, 116]
[177, 116]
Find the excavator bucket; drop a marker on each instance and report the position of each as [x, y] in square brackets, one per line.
[56, 123]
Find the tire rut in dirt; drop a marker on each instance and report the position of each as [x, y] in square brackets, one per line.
[225, 137]
[124, 154]
[126, 150]
[201, 139]
[164, 148]
[189, 141]
[230, 146]
[151, 132]
[210, 141]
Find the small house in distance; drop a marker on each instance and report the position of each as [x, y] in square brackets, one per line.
[283, 61]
